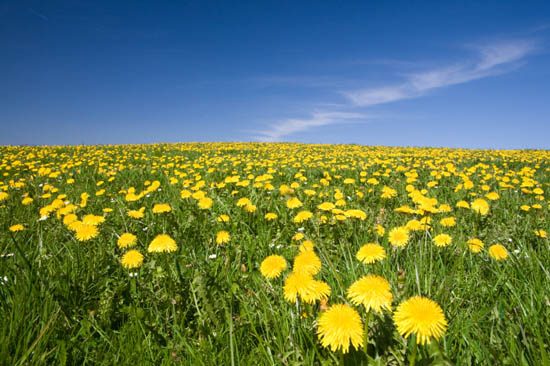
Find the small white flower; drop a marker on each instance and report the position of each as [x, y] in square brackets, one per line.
[278, 246]
[516, 251]
[145, 228]
[147, 195]
[160, 189]
[301, 229]
[349, 198]
[271, 245]
[43, 218]
[66, 202]
[212, 256]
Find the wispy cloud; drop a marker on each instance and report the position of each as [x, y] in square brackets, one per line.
[37, 13]
[491, 60]
[278, 131]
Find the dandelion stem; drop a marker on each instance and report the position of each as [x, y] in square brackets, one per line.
[366, 335]
[415, 348]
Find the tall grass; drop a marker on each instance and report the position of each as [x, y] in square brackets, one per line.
[67, 302]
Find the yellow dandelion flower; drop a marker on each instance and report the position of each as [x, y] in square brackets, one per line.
[93, 220]
[295, 284]
[340, 217]
[74, 225]
[340, 203]
[223, 218]
[304, 286]
[162, 243]
[185, 194]
[272, 266]
[414, 225]
[298, 237]
[399, 236]
[26, 201]
[370, 253]
[444, 208]
[372, 291]
[462, 204]
[126, 240]
[356, 214]
[250, 208]
[307, 262]
[380, 231]
[302, 216]
[132, 259]
[475, 245]
[326, 206]
[540, 233]
[422, 317]
[480, 206]
[222, 237]
[442, 240]
[339, 327]
[319, 290]
[306, 245]
[205, 203]
[198, 195]
[242, 202]
[16, 228]
[162, 208]
[294, 203]
[498, 252]
[85, 232]
[270, 216]
[136, 214]
[448, 221]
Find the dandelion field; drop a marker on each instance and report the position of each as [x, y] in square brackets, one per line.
[273, 254]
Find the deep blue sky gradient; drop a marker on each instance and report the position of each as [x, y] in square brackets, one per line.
[110, 72]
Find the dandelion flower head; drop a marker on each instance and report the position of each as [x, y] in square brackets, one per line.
[422, 317]
[272, 266]
[339, 327]
[370, 253]
[372, 291]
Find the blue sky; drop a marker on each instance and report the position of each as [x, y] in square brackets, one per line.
[442, 73]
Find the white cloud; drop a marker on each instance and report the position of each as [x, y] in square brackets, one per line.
[492, 60]
[277, 132]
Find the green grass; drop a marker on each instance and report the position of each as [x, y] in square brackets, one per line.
[67, 302]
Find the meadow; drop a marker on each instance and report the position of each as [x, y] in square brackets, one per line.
[273, 254]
